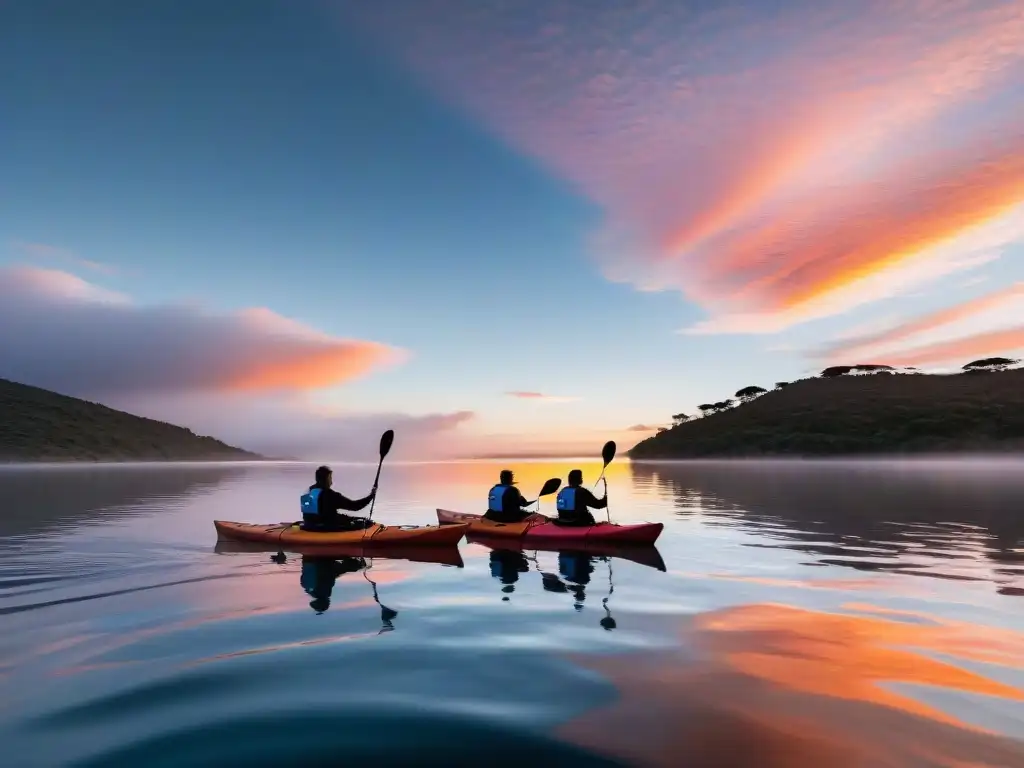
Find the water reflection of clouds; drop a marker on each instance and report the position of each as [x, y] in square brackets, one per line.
[773, 685]
[952, 521]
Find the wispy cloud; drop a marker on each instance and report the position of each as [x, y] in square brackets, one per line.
[973, 328]
[53, 252]
[775, 163]
[963, 349]
[541, 397]
[643, 428]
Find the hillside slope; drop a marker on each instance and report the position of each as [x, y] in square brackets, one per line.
[39, 425]
[850, 415]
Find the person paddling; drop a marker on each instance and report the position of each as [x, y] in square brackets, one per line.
[574, 502]
[505, 502]
[320, 505]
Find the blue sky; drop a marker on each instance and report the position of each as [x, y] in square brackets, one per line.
[289, 156]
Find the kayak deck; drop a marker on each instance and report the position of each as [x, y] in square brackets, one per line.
[376, 535]
[539, 527]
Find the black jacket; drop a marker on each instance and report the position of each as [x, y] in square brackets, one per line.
[328, 504]
[585, 501]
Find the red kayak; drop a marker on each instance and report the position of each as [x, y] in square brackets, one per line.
[540, 528]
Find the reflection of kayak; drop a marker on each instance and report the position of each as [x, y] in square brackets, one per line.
[376, 535]
[643, 554]
[442, 554]
[538, 527]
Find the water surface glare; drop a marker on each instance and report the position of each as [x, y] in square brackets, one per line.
[793, 614]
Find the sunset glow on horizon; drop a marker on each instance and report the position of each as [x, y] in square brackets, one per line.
[502, 229]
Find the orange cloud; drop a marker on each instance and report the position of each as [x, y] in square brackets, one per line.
[304, 368]
[882, 227]
[48, 317]
[642, 428]
[774, 166]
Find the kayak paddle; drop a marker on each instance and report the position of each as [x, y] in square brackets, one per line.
[385, 447]
[607, 453]
[552, 485]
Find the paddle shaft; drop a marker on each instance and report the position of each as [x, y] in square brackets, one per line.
[375, 481]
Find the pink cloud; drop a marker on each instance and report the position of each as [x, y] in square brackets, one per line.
[540, 397]
[1010, 299]
[775, 164]
[291, 428]
[246, 377]
[961, 350]
[60, 332]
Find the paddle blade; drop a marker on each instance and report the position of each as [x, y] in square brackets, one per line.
[550, 487]
[385, 442]
[608, 452]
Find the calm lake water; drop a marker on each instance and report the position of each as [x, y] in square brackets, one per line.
[808, 614]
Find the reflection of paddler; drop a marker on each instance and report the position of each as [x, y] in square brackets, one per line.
[320, 573]
[506, 567]
[575, 568]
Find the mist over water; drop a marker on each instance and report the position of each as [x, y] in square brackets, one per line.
[808, 613]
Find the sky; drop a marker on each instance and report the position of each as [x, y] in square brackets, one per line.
[499, 227]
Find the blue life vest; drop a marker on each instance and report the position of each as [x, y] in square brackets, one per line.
[566, 500]
[311, 502]
[494, 497]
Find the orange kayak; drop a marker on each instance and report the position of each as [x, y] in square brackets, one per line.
[377, 535]
[538, 527]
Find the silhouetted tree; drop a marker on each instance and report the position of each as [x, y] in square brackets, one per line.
[724, 405]
[990, 364]
[706, 408]
[679, 418]
[662, 429]
[836, 370]
[781, 384]
[749, 393]
[872, 368]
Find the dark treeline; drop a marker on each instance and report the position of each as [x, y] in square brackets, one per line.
[856, 409]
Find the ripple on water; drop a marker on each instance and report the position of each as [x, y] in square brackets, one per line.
[405, 705]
